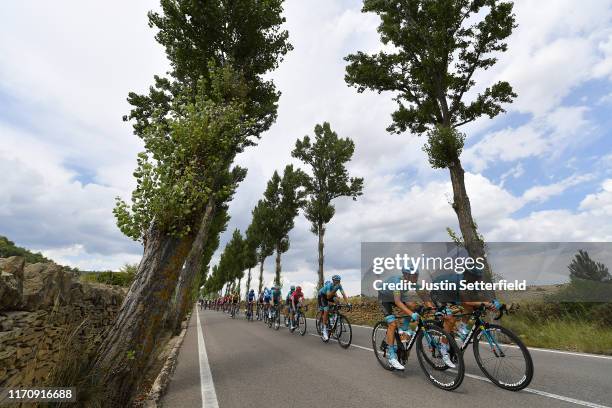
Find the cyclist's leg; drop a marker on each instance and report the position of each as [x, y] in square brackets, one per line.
[324, 305]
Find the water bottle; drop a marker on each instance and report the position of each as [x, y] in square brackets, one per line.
[463, 331]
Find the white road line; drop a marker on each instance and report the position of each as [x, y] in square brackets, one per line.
[209, 396]
[548, 394]
[352, 345]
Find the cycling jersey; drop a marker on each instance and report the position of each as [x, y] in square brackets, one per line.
[288, 298]
[297, 296]
[329, 287]
[388, 295]
[251, 296]
[276, 295]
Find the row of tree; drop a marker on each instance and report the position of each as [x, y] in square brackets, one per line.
[313, 190]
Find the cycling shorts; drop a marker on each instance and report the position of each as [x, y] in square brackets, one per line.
[323, 302]
[266, 300]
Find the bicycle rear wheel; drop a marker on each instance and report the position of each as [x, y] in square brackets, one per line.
[318, 318]
[379, 344]
[277, 321]
[301, 324]
[503, 358]
[344, 332]
[428, 342]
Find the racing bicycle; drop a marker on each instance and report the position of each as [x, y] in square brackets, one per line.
[428, 337]
[338, 325]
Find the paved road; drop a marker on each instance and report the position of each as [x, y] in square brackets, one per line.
[246, 364]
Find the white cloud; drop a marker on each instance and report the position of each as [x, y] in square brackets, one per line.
[543, 193]
[546, 136]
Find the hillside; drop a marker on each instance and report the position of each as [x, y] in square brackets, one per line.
[8, 249]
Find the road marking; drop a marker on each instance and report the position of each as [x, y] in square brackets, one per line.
[569, 353]
[548, 394]
[209, 396]
[352, 345]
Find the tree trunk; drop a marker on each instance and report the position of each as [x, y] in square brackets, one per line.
[321, 234]
[261, 265]
[127, 345]
[193, 264]
[278, 266]
[461, 204]
[239, 281]
[248, 285]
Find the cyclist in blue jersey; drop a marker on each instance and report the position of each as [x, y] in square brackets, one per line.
[275, 295]
[326, 295]
[267, 295]
[399, 298]
[250, 302]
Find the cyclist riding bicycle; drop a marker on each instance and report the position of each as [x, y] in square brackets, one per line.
[296, 300]
[275, 295]
[267, 295]
[326, 296]
[451, 300]
[250, 301]
[288, 301]
[400, 299]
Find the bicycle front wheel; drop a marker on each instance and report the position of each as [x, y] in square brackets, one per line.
[429, 343]
[318, 318]
[277, 322]
[379, 344]
[344, 332]
[503, 358]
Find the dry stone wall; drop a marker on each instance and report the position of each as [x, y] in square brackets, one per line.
[44, 307]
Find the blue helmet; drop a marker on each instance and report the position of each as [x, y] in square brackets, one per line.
[336, 278]
[252, 291]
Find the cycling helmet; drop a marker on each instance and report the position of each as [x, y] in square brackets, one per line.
[336, 278]
[252, 291]
[292, 287]
[298, 289]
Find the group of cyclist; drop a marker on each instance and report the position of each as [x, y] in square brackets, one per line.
[388, 300]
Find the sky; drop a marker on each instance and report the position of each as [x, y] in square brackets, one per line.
[540, 172]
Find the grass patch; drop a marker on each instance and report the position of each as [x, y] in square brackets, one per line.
[562, 334]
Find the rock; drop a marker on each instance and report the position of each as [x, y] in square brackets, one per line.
[44, 284]
[11, 282]
[6, 324]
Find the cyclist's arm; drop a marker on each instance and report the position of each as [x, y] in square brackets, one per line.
[344, 296]
[397, 299]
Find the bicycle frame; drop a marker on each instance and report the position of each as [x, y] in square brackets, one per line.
[482, 326]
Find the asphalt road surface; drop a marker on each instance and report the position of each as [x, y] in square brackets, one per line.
[232, 363]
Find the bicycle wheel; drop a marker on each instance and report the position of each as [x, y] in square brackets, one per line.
[503, 358]
[277, 321]
[269, 320]
[428, 343]
[344, 332]
[318, 321]
[379, 344]
[301, 324]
